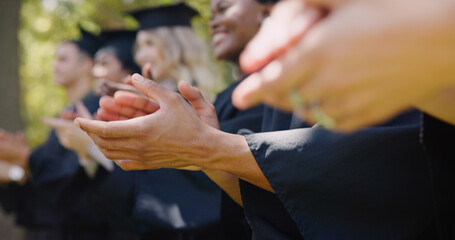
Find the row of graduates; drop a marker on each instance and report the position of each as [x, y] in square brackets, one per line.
[67, 189]
[372, 184]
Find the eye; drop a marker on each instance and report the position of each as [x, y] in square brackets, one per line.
[223, 6]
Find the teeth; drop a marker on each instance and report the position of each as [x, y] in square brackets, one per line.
[217, 37]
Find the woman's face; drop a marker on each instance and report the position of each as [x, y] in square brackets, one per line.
[147, 52]
[233, 25]
[109, 68]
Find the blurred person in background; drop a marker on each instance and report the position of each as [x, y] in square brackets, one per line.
[172, 48]
[52, 203]
[112, 194]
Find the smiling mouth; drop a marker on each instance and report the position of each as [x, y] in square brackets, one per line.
[217, 38]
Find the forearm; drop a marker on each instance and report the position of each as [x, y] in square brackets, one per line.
[4, 177]
[440, 105]
[226, 181]
[232, 155]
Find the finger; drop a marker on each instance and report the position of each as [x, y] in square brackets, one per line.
[139, 102]
[129, 165]
[67, 115]
[127, 80]
[360, 109]
[326, 3]
[117, 144]
[288, 23]
[276, 80]
[114, 129]
[109, 116]
[83, 111]
[355, 121]
[147, 71]
[273, 83]
[195, 97]
[152, 89]
[56, 122]
[118, 155]
[21, 137]
[190, 168]
[110, 108]
[2, 134]
[109, 105]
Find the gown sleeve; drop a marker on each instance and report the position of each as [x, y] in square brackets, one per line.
[369, 185]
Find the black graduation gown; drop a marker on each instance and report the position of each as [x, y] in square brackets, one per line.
[55, 197]
[372, 184]
[176, 204]
[438, 139]
[114, 198]
[235, 121]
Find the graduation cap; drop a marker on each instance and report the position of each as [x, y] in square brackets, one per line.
[88, 42]
[178, 14]
[268, 1]
[120, 43]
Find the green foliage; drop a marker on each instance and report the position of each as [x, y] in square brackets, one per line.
[46, 23]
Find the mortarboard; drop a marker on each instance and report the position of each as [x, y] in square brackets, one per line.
[88, 42]
[120, 43]
[178, 14]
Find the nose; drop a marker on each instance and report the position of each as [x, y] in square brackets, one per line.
[140, 58]
[99, 71]
[214, 23]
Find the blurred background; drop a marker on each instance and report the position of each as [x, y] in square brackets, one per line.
[30, 30]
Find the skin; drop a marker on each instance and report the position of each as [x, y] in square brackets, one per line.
[73, 71]
[14, 148]
[108, 68]
[379, 66]
[109, 72]
[148, 53]
[233, 24]
[69, 135]
[4, 173]
[159, 140]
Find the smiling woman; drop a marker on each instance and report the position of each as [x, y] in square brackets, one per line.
[233, 25]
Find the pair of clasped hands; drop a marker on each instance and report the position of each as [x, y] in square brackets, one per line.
[359, 62]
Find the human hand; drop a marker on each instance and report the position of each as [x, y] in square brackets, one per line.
[70, 136]
[14, 148]
[363, 63]
[173, 136]
[107, 88]
[127, 105]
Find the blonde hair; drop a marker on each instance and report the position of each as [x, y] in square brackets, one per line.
[186, 58]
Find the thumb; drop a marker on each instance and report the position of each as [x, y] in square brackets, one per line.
[83, 111]
[127, 80]
[55, 122]
[147, 71]
[194, 96]
[151, 88]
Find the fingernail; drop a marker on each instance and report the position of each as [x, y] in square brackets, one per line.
[138, 78]
[76, 122]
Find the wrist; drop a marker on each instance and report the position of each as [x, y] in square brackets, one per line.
[229, 152]
[23, 157]
[16, 173]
